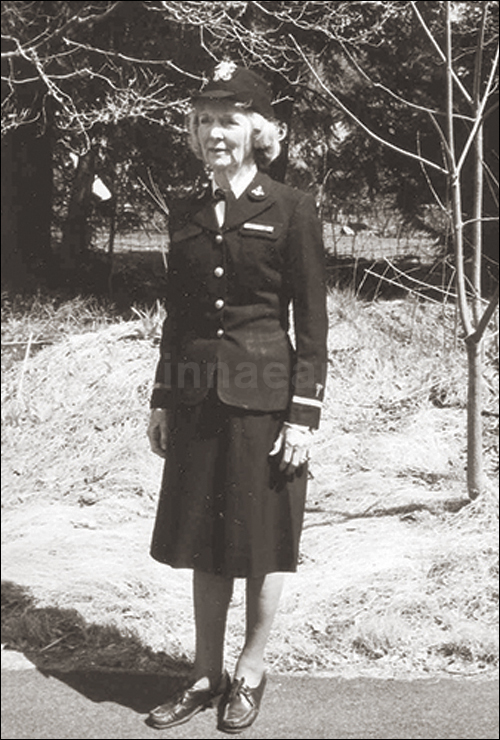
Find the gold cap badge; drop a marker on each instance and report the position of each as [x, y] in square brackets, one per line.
[224, 71]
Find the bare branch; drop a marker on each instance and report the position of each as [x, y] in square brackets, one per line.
[483, 219]
[411, 291]
[46, 37]
[427, 286]
[123, 57]
[360, 123]
[62, 98]
[429, 182]
[480, 112]
[492, 181]
[478, 65]
[442, 137]
[441, 53]
[478, 192]
[476, 336]
[156, 196]
[456, 193]
[391, 93]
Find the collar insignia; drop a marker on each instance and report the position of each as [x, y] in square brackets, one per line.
[258, 193]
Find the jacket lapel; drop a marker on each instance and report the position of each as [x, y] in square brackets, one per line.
[256, 199]
[205, 214]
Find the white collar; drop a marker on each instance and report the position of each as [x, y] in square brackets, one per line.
[241, 184]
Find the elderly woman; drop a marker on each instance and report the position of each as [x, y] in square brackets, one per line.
[234, 400]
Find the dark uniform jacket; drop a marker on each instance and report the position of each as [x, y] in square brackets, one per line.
[229, 291]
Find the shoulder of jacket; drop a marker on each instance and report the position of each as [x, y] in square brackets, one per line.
[184, 206]
[190, 200]
[289, 192]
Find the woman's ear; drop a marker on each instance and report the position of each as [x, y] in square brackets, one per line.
[282, 131]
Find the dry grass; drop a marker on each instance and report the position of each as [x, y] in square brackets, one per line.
[47, 319]
[76, 410]
[397, 573]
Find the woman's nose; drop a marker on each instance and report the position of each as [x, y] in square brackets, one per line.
[217, 132]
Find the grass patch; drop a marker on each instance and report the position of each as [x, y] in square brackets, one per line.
[79, 481]
[74, 410]
[54, 637]
[48, 319]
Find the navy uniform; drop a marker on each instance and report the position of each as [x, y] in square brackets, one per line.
[230, 376]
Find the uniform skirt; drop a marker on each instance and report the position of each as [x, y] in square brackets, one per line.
[224, 506]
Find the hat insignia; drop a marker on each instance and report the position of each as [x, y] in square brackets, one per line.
[258, 192]
[224, 71]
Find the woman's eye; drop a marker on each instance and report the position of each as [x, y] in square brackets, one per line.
[225, 121]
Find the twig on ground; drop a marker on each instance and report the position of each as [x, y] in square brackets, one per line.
[54, 642]
[23, 370]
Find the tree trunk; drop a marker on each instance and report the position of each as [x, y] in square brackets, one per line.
[76, 235]
[111, 247]
[475, 470]
[26, 205]
[477, 215]
[475, 466]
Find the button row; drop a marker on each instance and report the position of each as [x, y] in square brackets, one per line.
[219, 272]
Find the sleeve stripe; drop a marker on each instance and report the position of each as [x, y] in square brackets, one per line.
[307, 401]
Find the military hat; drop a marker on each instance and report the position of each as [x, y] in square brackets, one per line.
[233, 83]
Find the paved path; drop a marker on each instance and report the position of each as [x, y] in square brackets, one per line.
[114, 705]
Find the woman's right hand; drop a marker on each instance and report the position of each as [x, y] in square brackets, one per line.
[157, 431]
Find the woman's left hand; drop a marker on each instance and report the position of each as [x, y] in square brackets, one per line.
[294, 443]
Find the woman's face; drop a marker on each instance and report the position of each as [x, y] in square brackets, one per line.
[225, 136]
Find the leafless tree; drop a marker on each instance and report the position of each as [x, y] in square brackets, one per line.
[481, 100]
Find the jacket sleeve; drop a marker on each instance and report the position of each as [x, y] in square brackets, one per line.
[162, 395]
[307, 277]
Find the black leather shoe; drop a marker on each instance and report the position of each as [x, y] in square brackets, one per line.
[184, 707]
[241, 707]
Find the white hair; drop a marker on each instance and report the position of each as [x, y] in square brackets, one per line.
[266, 135]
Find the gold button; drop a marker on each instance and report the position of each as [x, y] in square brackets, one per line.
[219, 272]
[219, 239]
[220, 333]
[219, 303]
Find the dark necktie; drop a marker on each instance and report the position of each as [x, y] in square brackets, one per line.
[229, 199]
